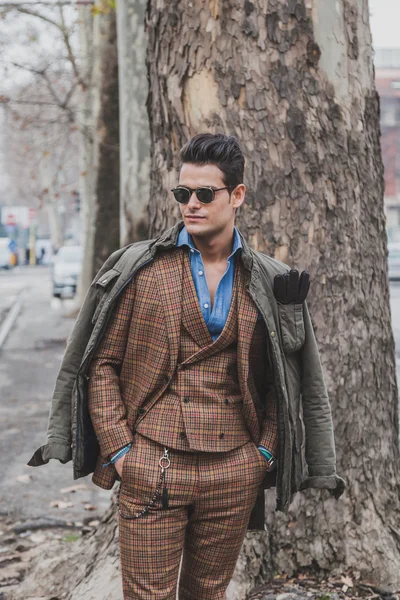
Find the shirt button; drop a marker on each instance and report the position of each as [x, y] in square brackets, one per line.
[221, 436]
[272, 333]
[200, 272]
[186, 399]
[226, 401]
[182, 435]
[191, 250]
[205, 305]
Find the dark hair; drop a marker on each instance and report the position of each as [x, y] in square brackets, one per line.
[216, 149]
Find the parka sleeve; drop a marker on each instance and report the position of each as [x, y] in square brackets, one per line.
[317, 414]
[59, 435]
[59, 428]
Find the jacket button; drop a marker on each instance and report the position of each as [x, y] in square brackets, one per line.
[186, 399]
[182, 435]
[166, 378]
[221, 436]
[141, 411]
[226, 401]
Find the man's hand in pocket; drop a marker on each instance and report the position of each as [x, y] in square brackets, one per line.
[118, 465]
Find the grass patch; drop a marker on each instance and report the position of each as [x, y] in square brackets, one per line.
[71, 537]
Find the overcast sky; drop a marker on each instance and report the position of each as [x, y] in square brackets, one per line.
[385, 23]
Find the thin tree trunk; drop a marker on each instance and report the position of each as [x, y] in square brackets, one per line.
[107, 141]
[134, 129]
[87, 174]
[99, 124]
[294, 82]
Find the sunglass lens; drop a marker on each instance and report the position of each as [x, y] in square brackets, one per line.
[182, 195]
[205, 195]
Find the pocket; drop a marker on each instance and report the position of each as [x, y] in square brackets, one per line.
[124, 464]
[102, 287]
[299, 433]
[292, 326]
[261, 457]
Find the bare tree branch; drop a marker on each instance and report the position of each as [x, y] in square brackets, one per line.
[71, 56]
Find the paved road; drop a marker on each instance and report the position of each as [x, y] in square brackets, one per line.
[29, 363]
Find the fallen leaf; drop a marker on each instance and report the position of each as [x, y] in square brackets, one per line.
[60, 504]
[88, 506]
[93, 523]
[24, 478]
[347, 580]
[73, 488]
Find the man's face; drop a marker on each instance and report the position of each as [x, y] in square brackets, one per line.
[210, 219]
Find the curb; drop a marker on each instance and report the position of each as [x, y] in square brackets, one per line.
[10, 319]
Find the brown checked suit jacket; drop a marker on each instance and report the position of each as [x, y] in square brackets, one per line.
[138, 353]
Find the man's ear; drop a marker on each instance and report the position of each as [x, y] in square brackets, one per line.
[238, 195]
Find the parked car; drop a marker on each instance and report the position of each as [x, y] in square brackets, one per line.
[5, 254]
[66, 266]
[394, 260]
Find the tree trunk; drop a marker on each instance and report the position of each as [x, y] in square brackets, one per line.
[294, 82]
[135, 135]
[99, 126]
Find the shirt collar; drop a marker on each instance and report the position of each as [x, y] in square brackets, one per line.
[185, 239]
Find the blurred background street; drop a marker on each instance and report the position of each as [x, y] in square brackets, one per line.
[30, 358]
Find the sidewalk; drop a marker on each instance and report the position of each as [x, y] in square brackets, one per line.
[33, 500]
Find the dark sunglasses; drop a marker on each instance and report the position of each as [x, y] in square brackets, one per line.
[204, 194]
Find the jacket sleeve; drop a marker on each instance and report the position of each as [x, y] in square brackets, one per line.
[59, 428]
[317, 414]
[107, 410]
[59, 438]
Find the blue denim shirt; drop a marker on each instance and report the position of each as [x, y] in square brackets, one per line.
[216, 318]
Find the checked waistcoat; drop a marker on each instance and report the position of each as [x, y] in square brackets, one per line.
[202, 408]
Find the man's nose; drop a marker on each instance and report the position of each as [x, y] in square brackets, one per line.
[193, 200]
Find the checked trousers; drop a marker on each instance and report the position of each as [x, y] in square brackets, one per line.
[210, 500]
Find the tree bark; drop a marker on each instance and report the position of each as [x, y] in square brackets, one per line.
[135, 135]
[294, 82]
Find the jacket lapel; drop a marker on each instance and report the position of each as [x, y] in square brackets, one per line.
[247, 319]
[167, 270]
[192, 317]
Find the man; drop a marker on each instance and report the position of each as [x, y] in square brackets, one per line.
[195, 379]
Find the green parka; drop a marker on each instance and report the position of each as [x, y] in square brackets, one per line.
[306, 450]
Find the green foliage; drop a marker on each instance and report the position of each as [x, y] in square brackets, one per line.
[71, 537]
[104, 7]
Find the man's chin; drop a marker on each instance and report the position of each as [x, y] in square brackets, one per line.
[199, 225]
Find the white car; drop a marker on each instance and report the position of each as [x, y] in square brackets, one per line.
[394, 260]
[66, 266]
[5, 254]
